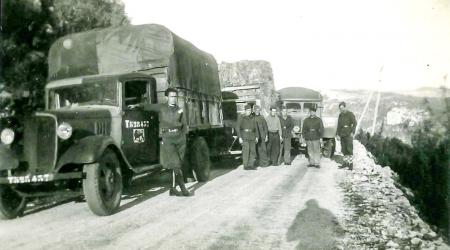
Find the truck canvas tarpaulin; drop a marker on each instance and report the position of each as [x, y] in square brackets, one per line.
[134, 48]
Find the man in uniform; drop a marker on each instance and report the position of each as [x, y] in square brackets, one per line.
[275, 136]
[173, 129]
[345, 131]
[247, 132]
[312, 131]
[287, 124]
[261, 149]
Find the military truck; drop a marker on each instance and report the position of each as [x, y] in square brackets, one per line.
[89, 139]
[298, 101]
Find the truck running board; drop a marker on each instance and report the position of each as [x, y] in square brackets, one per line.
[147, 168]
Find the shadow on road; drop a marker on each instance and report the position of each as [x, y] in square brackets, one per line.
[315, 228]
[45, 203]
[141, 189]
[157, 183]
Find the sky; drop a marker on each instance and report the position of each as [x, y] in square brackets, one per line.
[321, 44]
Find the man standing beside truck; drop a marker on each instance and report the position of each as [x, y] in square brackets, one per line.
[287, 124]
[248, 136]
[275, 135]
[346, 130]
[261, 149]
[312, 131]
[173, 129]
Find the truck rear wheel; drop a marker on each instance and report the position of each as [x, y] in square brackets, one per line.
[199, 158]
[329, 147]
[12, 204]
[102, 186]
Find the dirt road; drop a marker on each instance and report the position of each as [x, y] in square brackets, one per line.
[282, 207]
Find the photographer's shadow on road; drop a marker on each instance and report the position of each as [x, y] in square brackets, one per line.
[315, 228]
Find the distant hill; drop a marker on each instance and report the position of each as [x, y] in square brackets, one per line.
[399, 113]
[426, 92]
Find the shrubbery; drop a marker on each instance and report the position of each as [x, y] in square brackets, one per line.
[422, 166]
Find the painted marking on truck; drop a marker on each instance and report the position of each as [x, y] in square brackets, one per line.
[138, 135]
[137, 124]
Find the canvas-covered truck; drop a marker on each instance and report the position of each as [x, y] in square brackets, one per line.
[298, 101]
[89, 139]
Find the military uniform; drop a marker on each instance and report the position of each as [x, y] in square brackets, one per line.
[261, 148]
[173, 129]
[312, 132]
[247, 130]
[345, 128]
[286, 127]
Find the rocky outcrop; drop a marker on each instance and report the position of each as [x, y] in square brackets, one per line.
[245, 73]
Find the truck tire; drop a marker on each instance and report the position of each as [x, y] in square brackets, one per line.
[12, 204]
[102, 186]
[199, 159]
[329, 147]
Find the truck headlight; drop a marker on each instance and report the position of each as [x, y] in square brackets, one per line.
[64, 131]
[296, 129]
[7, 136]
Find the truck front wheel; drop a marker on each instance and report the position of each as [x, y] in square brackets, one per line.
[12, 204]
[199, 158]
[102, 186]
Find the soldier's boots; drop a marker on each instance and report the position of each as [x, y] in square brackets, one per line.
[174, 192]
[180, 181]
[350, 166]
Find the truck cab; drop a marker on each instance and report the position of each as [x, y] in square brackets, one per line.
[298, 101]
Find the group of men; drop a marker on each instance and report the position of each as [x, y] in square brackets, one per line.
[267, 140]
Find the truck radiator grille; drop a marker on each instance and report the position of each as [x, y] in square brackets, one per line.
[41, 143]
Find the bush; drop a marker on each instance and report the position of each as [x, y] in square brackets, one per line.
[422, 166]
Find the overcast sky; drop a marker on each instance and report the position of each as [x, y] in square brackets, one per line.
[321, 44]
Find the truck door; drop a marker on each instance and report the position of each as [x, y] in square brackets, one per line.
[140, 139]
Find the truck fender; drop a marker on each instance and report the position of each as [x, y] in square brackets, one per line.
[87, 150]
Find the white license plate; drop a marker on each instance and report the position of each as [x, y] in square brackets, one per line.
[30, 178]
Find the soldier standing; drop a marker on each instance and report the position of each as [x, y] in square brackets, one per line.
[261, 149]
[287, 124]
[345, 131]
[248, 137]
[275, 135]
[173, 129]
[312, 131]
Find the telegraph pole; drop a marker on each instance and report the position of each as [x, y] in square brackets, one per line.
[377, 103]
[376, 114]
[363, 113]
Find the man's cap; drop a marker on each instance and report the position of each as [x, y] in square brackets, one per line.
[273, 107]
[313, 109]
[257, 107]
[247, 106]
[342, 104]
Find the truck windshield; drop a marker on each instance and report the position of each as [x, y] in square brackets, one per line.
[83, 95]
[309, 105]
[294, 106]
